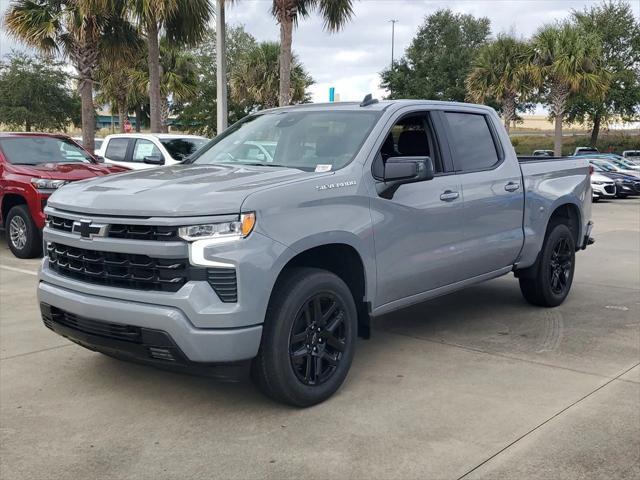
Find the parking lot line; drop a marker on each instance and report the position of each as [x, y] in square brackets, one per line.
[19, 270]
[547, 421]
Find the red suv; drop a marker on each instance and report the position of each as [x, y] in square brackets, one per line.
[32, 167]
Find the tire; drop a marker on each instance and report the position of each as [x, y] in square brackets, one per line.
[23, 237]
[549, 282]
[304, 355]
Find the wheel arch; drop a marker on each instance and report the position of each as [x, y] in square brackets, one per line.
[568, 214]
[9, 201]
[344, 260]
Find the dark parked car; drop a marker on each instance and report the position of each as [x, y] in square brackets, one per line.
[32, 167]
[625, 184]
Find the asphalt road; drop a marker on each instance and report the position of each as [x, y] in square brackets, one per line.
[477, 384]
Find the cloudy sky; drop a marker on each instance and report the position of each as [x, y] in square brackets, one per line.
[352, 59]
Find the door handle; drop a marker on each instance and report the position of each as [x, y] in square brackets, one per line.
[512, 186]
[448, 195]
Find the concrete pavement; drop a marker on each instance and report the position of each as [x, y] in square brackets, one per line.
[477, 384]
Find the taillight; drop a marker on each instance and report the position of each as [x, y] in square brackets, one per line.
[591, 170]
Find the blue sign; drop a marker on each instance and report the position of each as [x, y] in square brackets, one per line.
[332, 94]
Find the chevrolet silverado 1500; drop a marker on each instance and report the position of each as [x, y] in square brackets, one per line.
[358, 210]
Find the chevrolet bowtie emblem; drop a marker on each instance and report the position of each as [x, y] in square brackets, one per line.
[86, 229]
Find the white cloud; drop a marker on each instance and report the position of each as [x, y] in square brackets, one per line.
[352, 59]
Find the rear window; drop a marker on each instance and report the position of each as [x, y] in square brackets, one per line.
[181, 148]
[472, 141]
[117, 149]
[36, 150]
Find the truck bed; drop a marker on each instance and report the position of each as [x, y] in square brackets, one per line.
[548, 182]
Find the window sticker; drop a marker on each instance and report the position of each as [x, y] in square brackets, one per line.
[323, 168]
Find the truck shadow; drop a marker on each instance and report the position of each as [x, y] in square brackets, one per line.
[467, 310]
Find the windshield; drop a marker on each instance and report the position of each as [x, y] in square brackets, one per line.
[181, 148]
[606, 166]
[36, 149]
[320, 140]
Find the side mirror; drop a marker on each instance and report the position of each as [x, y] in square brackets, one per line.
[99, 158]
[154, 160]
[401, 170]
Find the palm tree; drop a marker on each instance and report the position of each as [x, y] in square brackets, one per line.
[567, 59]
[255, 79]
[501, 71]
[335, 13]
[183, 22]
[82, 30]
[179, 80]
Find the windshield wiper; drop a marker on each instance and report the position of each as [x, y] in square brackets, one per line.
[260, 164]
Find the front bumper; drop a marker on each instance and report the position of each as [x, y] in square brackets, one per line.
[191, 345]
[603, 191]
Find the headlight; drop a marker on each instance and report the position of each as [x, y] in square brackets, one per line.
[46, 184]
[595, 182]
[227, 230]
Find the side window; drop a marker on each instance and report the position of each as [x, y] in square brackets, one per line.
[411, 136]
[145, 148]
[117, 149]
[472, 141]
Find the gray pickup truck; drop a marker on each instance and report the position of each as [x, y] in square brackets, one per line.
[284, 236]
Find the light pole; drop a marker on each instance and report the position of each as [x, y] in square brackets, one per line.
[393, 38]
[221, 70]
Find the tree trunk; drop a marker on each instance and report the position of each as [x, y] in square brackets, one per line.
[164, 115]
[221, 70]
[122, 112]
[509, 111]
[138, 118]
[558, 95]
[88, 115]
[286, 34]
[27, 125]
[557, 139]
[155, 97]
[595, 131]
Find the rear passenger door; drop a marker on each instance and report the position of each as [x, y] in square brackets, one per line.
[492, 190]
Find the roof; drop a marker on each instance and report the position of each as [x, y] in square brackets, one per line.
[378, 106]
[33, 134]
[154, 135]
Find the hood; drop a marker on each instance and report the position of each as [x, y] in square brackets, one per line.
[173, 191]
[67, 171]
[621, 176]
[599, 177]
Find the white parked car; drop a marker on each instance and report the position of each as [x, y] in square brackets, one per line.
[633, 155]
[148, 150]
[585, 151]
[97, 142]
[602, 187]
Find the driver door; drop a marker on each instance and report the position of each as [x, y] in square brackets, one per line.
[419, 231]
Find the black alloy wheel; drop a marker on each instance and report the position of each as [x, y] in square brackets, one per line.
[560, 266]
[308, 337]
[317, 339]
